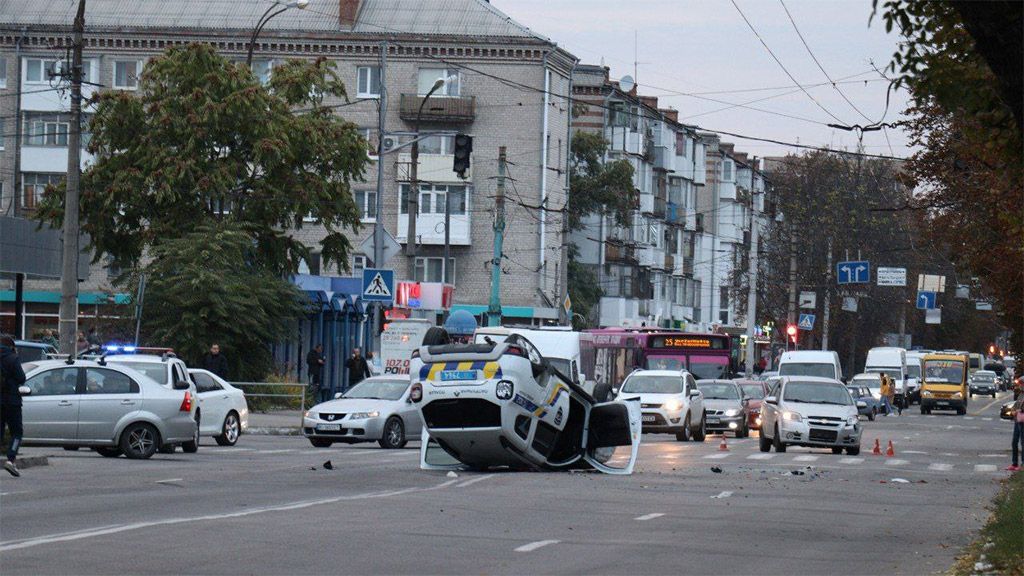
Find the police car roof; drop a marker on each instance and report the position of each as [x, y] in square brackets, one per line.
[658, 372]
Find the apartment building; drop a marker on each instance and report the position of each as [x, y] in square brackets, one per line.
[505, 85]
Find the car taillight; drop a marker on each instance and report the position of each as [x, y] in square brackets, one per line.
[186, 404]
[416, 393]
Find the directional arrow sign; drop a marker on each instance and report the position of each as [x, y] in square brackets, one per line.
[926, 300]
[854, 272]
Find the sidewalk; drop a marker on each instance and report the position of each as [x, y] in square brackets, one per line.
[275, 423]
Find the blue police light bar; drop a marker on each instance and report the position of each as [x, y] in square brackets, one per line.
[129, 349]
[112, 347]
[118, 348]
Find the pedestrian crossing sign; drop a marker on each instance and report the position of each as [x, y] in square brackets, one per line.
[806, 322]
[378, 285]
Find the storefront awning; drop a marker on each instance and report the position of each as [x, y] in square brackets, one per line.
[84, 298]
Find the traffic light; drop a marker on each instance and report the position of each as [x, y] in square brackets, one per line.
[463, 149]
[791, 333]
[992, 350]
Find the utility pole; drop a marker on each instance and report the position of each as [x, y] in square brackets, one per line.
[826, 313]
[378, 222]
[791, 313]
[752, 288]
[447, 235]
[69, 269]
[494, 307]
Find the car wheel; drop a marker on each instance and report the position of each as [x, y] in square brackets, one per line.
[871, 415]
[777, 442]
[192, 446]
[321, 442]
[166, 449]
[139, 441]
[702, 431]
[971, 395]
[394, 434]
[853, 450]
[108, 452]
[229, 431]
[837, 449]
[684, 434]
[71, 448]
[764, 443]
[923, 410]
[961, 411]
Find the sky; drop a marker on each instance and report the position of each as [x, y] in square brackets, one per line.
[700, 57]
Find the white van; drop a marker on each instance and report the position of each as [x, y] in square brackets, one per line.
[892, 361]
[816, 363]
[915, 364]
[559, 344]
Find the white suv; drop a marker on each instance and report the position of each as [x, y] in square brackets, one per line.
[813, 412]
[670, 402]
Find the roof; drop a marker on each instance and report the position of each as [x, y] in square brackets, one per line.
[421, 17]
[823, 355]
[677, 373]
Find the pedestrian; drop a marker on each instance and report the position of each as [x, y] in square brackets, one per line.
[315, 367]
[81, 344]
[93, 337]
[373, 363]
[11, 378]
[357, 368]
[216, 362]
[50, 337]
[886, 393]
[1017, 446]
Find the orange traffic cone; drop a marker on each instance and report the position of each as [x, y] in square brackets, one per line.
[723, 447]
[889, 451]
[877, 450]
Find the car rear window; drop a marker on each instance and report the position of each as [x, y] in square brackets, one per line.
[155, 370]
[815, 369]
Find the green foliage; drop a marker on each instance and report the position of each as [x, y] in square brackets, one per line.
[596, 187]
[202, 141]
[207, 287]
[585, 292]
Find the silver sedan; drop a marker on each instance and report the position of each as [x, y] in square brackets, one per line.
[377, 409]
[107, 407]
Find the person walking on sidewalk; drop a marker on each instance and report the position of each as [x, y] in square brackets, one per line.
[1017, 414]
[315, 367]
[11, 378]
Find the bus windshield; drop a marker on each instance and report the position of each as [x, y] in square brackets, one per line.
[944, 371]
[914, 371]
[708, 368]
[674, 363]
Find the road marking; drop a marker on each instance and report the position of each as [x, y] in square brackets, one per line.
[723, 495]
[984, 467]
[717, 456]
[993, 455]
[913, 452]
[119, 528]
[940, 466]
[277, 451]
[534, 545]
[987, 419]
[668, 456]
[851, 460]
[895, 462]
[806, 458]
[761, 456]
[474, 481]
[949, 454]
[989, 405]
[968, 417]
[168, 481]
[649, 516]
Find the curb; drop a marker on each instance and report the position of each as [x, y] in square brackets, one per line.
[32, 461]
[274, 431]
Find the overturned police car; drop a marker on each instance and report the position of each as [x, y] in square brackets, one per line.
[491, 405]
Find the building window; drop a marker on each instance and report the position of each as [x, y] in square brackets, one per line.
[126, 74]
[366, 203]
[34, 185]
[39, 71]
[46, 130]
[427, 77]
[310, 265]
[727, 170]
[438, 145]
[3, 72]
[680, 144]
[432, 269]
[433, 198]
[368, 84]
[262, 69]
[359, 263]
[372, 141]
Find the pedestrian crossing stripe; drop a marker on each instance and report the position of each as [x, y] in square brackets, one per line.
[377, 287]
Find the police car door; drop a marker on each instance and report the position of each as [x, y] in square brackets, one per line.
[613, 436]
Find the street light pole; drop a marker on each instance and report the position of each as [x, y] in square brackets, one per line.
[267, 16]
[68, 323]
[414, 185]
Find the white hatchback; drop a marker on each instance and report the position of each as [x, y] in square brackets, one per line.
[813, 412]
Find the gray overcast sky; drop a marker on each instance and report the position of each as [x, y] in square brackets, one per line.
[701, 46]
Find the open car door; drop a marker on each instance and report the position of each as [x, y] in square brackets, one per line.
[613, 436]
[434, 457]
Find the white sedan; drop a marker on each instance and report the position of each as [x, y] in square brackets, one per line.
[225, 411]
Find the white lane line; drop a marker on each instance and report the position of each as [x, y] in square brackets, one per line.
[895, 462]
[993, 455]
[984, 467]
[806, 458]
[940, 467]
[668, 456]
[168, 481]
[718, 456]
[987, 419]
[913, 452]
[725, 494]
[968, 417]
[651, 516]
[761, 456]
[851, 460]
[534, 545]
[474, 481]
[231, 449]
[118, 528]
[277, 451]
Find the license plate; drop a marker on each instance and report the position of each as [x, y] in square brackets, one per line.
[647, 418]
[329, 427]
[712, 420]
[942, 403]
[449, 375]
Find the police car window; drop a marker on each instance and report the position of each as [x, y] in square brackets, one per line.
[155, 370]
[531, 351]
[59, 382]
[101, 381]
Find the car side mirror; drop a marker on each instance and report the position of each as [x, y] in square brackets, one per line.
[862, 404]
[24, 390]
[694, 393]
[181, 385]
[771, 400]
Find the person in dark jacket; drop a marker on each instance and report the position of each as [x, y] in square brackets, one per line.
[11, 378]
[315, 368]
[216, 362]
[358, 369]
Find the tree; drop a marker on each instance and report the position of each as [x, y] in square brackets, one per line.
[202, 141]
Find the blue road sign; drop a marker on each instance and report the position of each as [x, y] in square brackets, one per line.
[806, 322]
[854, 272]
[378, 285]
[926, 300]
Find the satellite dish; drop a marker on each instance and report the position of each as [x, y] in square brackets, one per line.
[627, 83]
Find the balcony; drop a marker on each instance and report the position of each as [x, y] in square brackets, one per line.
[432, 168]
[670, 263]
[659, 207]
[451, 109]
[618, 253]
[430, 229]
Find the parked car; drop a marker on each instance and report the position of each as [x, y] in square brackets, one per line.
[871, 381]
[863, 394]
[670, 403]
[1006, 410]
[983, 382]
[167, 370]
[225, 411]
[29, 351]
[814, 412]
[377, 409]
[754, 391]
[108, 407]
[725, 407]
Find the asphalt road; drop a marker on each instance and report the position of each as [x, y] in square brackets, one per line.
[268, 506]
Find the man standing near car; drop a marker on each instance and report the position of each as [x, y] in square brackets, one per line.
[11, 378]
[358, 369]
[315, 367]
[216, 362]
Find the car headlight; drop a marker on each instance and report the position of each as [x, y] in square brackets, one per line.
[672, 405]
[731, 412]
[852, 421]
[926, 393]
[363, 415]
[503, 390]
[311, 415]
[792, 416]
[958, 395]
